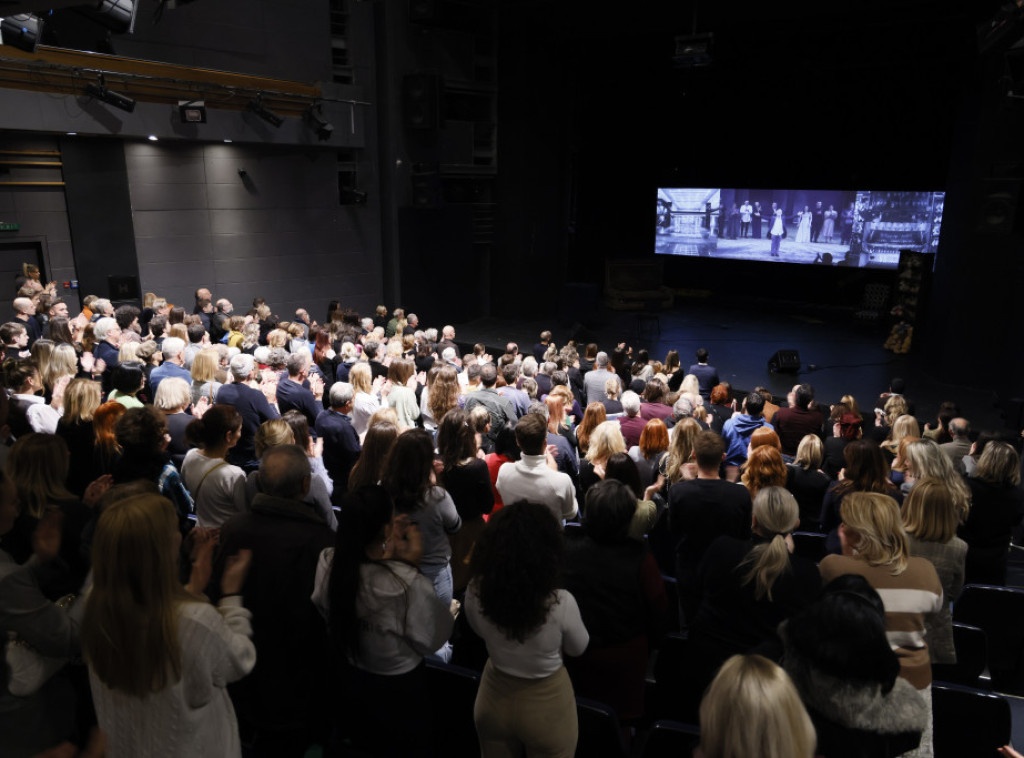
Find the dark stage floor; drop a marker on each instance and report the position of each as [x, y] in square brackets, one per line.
[838, 354]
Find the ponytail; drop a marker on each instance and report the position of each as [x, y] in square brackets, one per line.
[776, 513]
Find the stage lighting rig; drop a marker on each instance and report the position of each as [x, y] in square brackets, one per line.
[192, 111]
[22, 30]
[100, 92]
[256, 106]
[315, 120]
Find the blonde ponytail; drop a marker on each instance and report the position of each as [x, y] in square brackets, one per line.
[777, 514]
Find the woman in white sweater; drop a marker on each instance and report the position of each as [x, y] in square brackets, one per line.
[525, 703]
[383, 616]
[160, 657]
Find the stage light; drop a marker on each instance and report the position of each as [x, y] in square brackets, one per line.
[256, 106]
[192, 111]
[315, 120]
[100, 92]
[116, 15]
[22, 31]
[153, 138]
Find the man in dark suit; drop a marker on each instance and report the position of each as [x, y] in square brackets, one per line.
[341, 442]
[706, 375]
[254, 406]
[283, 706]
[817, 221]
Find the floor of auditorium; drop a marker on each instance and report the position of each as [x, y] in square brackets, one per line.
[838, 353]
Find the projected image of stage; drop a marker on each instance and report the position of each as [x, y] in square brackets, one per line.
[864, 229]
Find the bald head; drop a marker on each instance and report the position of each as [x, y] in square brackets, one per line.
[284, 472]
[960, 427]
[24, 305]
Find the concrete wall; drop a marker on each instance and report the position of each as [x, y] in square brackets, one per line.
[277, 232]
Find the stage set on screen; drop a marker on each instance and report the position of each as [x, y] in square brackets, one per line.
[864, 229]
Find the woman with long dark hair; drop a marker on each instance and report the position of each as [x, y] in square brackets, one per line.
[377, 444]
[621, 597]
[466, 479]
[383, 617]
[525, 702]
[217, 487]
[409, 480]
[865, 471]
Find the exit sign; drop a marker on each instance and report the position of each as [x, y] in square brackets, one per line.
[6, 226]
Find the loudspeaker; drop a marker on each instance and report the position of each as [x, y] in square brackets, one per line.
[420, 98]
[784, 361]
[22, 30]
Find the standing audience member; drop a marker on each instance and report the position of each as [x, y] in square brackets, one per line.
[621, 598]
[535, 475]
[341, 442]
[384, 617]
[284, 704]
[875, 546]
[997, 505]
[160, 657]
[865, 472]
[801, 419]
[700, 511]
[253, 404]
[707, 376]
[217, 487]
[525, 703]
[931, 519]
[409, 480]
[752, 708]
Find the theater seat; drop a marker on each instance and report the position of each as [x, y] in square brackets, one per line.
[677, 691]
[670, 739]
[810, 545]
[971, 645]
[1000, 612]
[600, 731]
[455, 690]
[968, 721]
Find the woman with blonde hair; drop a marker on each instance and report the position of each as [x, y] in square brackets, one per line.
[128, 351]
[925, 459]
[764, 468]
[898, 470]
[807, 482]
[895, 407]
[749, 586]
[752, 708]
[63, 362]
[592, 416]
[904, 426]
[235, 336]
[160, 657]
[851, 403]
[402, 397]
[366, 400]
[690, 384]
[931, 520]
[875, 546]
[204, 375]
[605, 440]
[997, 501]
[81, 399]
[680, 464]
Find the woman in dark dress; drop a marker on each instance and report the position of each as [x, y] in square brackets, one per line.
[808, 482]
[749, 586]
[81, 399]
[621, 597]
[865, 471]
[467, 480]
[997, 504]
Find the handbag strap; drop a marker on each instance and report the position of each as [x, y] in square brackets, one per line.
[195, 495]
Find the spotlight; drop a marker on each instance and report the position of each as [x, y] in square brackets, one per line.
[22, 31]
[315, 120]
[100, 92]
[256, 106]
[192, 111]
[693, 50]
[153, 138]
[116, 15]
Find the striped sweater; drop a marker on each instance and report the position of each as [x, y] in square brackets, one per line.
[908, 599]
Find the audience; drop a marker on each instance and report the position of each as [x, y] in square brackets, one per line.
[450, 448]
